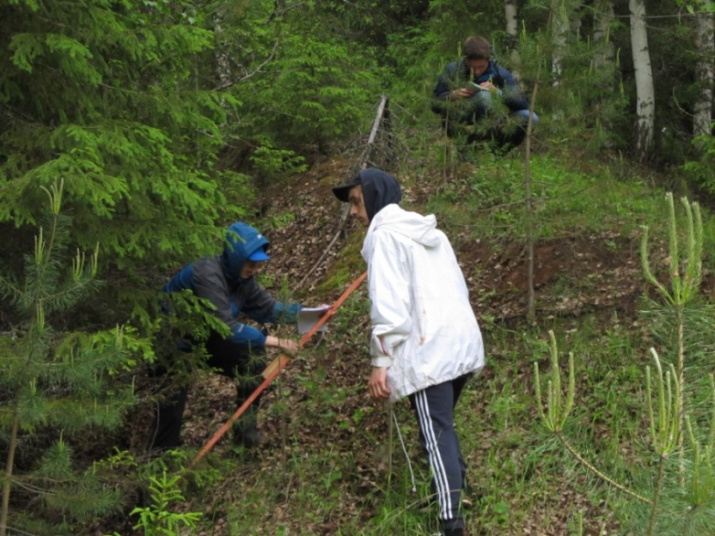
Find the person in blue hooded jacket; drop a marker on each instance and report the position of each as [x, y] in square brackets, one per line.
[227, 281]
[466, 94]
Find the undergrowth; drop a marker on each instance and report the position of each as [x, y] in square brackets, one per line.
[339, 468]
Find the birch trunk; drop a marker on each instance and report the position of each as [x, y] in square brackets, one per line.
[645, 92]
[512, 30]
[705, 70]
[221, 53]
[559, 35]
[511, 21]
[605, 52]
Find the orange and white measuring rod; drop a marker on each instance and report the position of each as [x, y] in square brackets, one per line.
[274, 368]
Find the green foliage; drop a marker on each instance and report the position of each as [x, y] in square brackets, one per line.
[702, 169]
[276, 163]
[183, 317]
[56, 384]
[673, 487]
[664, 414]
[490, 199]
[114, 111]
[557, 409]
[158, 519]
[664, 428]
[702, 485]
[685, 264]
[311, 92]
[147, 109]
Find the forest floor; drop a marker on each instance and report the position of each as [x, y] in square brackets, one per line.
[583, 274]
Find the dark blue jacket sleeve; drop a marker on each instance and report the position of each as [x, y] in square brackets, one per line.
[261, 307]
[513, 96]
[248, 336]
[445, 82]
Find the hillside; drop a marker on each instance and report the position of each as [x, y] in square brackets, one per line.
[133, 132]
[325, 467]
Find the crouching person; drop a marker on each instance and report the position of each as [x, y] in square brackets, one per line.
[227, 280]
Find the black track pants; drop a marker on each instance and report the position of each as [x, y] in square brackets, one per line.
[434, 407]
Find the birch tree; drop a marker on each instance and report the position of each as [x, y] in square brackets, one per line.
[645, 92]
[512, 29]
[705, 67]
[603, 20]
[559, 33]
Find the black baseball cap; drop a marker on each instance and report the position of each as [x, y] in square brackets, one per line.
[343, 191]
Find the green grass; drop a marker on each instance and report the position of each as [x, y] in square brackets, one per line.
[491, 199]
[350, 476]
[354, 480]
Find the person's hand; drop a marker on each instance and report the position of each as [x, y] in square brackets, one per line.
[377, 386]
[461, 93]
[491, 87]
[289, 346]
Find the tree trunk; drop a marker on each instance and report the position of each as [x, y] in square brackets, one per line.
[512, 27]
[7, 480]
[559, 37]
[512, 32]
[221, 53]
[705, 70]
[645, 91]
[604, 54]
[530, 212]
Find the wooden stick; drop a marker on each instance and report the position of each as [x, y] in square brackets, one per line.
[278, 363]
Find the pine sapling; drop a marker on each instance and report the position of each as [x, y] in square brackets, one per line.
[664, 429]
[558, 409]
[702, 483]
[57, 384]
[685, 274]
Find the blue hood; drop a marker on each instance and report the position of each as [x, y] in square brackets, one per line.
[238, 248]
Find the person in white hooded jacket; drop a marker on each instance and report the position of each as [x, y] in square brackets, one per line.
[425, 342]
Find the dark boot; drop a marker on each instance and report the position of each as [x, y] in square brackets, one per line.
[245, 430]
[453, 527]
[504, 140]
[166, 430]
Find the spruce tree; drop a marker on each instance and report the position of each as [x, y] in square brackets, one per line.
[104, 93]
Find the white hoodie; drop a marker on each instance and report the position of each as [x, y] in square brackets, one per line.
[423, 326]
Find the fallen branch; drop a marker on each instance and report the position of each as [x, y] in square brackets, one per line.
[381, 117]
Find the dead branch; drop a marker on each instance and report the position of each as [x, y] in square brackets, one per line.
[249, 75]
[381, 121]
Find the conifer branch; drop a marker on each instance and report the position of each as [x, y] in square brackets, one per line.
[599, 473]
[557, 411]
[664, 425]
[42, 388]
[645, 263]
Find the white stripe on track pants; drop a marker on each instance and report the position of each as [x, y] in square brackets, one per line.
[435, 417]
